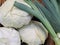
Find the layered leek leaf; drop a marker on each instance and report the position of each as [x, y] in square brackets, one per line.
[51, 11]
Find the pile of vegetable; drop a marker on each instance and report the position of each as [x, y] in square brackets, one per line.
[16, 18]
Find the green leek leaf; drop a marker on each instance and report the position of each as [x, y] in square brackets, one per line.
[53, 18]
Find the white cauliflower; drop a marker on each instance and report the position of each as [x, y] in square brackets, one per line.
[10, 16]
[9, 36]
[34, 33]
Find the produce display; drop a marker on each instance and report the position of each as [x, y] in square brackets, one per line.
[30, 22]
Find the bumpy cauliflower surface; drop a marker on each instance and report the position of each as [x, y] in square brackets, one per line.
[9, 36]
[34, 33]
[10, 16]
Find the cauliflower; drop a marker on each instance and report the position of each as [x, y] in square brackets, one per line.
[10, 16]
[9, 36]
[34, 33]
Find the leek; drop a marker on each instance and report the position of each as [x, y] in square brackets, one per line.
[38, 14]
[51, 14]
[54, 2]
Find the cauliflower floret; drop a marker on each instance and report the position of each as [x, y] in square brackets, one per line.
[34, 33]
[10, 16]
[9, 36]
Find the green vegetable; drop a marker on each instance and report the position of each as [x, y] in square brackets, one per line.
[55, 15]
[50, 13]
[39, 14]
[58, 1]
[54, 3]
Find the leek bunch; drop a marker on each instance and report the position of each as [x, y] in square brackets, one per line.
[51, 11]
[43, 16]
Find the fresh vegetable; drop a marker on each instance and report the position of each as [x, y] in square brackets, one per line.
[58, 34]
[40, 15]
[10, 16]
[51, 14]
[53, 20]
[34, 33]
[58, 1]
[9, 36]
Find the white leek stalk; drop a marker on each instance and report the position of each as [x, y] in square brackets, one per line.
[58, 34]
[10, 16]
[9, 36]
[34, 33]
